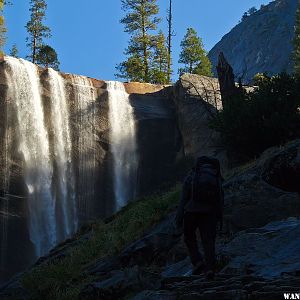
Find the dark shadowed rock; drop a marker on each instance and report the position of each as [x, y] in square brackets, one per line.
[15, 291]
[116, 286]
[283, 170]
[252, 199]
[181, 268]
[156, 295]
[226, 79]
[267, 252]
[154, 246]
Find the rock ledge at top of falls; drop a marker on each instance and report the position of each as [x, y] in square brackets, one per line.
[131, 87]
[144, 88]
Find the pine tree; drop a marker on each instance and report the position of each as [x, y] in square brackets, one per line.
[132, 69]
[159, 71]
[244, 17]
[14, 51]
[193, 55]
[36, 29]
[47, 57]
[170, 35]
[204, 67]
[141, 19]
[297, 44]
[252, 10]
[2, 27]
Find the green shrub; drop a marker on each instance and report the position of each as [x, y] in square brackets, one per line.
[268, 116]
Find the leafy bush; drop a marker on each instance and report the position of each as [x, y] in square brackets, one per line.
[268, 116]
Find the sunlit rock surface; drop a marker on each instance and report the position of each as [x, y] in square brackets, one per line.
[263, 42]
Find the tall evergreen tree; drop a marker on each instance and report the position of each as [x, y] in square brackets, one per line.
[297, 44]
[14, 51]
[36, 29]
[193, 55]
[2, 27]
[141, 19]
[170, 35]
[160, 62]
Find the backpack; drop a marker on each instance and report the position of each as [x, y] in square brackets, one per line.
[205, 185]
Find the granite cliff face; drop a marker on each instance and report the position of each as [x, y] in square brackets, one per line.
[260, 43]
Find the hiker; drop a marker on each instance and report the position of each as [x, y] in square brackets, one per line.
[201, 207]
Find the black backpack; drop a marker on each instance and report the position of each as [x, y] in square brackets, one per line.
[206, 184]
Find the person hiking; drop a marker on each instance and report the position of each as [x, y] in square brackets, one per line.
[201, 207]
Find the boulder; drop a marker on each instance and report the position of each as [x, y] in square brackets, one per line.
[153, 246]
[268, 252]
[255, 196]
[116, 286]
[197, 99]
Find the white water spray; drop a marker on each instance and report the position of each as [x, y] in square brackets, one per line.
[4, 200]
[65, 180]
[24, 85]
[123, 143]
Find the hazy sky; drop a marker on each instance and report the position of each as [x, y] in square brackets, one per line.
[90, 40]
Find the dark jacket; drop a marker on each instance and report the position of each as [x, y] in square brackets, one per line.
[187, 205]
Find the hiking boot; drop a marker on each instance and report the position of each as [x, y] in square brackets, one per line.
[198, 268]
[210, 275]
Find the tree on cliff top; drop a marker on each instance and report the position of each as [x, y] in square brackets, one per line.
[170, 35]
[47, 57]
[193, 55]
[14, 51]
[297, 44]
[159, 71]
[141, 19]
[36, 29]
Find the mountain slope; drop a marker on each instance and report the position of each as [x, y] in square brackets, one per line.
[260, 43]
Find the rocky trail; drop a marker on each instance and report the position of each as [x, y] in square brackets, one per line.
[249, 275]
[227, 286]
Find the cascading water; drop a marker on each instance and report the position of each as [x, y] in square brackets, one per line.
[4, 199]
[24, 85]
[123, 143]
[63, 169]
[85, 102]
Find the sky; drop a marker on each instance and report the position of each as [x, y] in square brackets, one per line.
[90, 40]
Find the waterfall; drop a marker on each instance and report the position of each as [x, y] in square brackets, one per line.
[23, 79]
[4, 199]
[49, 155]
[123, 143]
[85, 105]
[64, 196]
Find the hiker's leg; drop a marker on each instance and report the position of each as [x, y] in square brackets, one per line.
[190, 237]
[208, 237]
